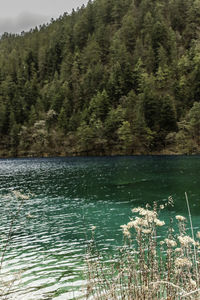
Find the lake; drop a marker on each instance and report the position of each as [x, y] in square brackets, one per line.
[67, 197]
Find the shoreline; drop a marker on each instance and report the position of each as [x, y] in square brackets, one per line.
[97, 154]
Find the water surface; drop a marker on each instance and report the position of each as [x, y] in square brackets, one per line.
[67, 197]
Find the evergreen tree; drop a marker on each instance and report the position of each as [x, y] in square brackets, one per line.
[115, 75]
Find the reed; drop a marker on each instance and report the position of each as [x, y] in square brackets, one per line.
[148, 267]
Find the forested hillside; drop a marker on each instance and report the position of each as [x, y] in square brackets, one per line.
[114, 77]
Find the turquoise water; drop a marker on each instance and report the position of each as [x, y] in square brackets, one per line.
[67, 197]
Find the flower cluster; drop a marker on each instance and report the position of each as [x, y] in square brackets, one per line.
[186, 240]
[180, 218]
[181, 262]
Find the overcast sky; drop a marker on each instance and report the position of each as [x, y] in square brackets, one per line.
[21, 15]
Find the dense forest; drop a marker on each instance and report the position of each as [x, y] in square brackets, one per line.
[114, 77]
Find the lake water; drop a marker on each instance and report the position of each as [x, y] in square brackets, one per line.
[67, 197]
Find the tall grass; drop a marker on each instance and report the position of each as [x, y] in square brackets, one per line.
[148, 267]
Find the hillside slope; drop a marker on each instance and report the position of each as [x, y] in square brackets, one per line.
[114, 77]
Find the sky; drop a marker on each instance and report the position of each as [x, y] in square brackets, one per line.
[21, 15]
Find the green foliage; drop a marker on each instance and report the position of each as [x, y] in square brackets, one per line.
[99, 106]
[187, 139]
[116, 76]
[126, 137]
[194, 121]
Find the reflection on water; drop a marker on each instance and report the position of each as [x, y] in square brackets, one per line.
[68, 196]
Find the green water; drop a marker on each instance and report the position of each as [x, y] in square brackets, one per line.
[69, 195]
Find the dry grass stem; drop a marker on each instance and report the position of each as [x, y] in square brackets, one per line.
[151, 265]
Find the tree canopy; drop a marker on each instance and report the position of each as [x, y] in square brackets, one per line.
[113, 77]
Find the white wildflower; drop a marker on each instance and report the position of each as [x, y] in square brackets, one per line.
[131, 224]
[144, 212]
[178, 250]
[159, 222]
[126, 232]
[186, 240]
[198, 235]
[180, 218]
[136, 209]
[138, 222]
[146, 231]
[183, 262]
[193, 283]
[148, 213]
[124, 227]
[170, 243]
[142, 222]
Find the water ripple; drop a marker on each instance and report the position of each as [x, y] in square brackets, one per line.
[67, 196]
